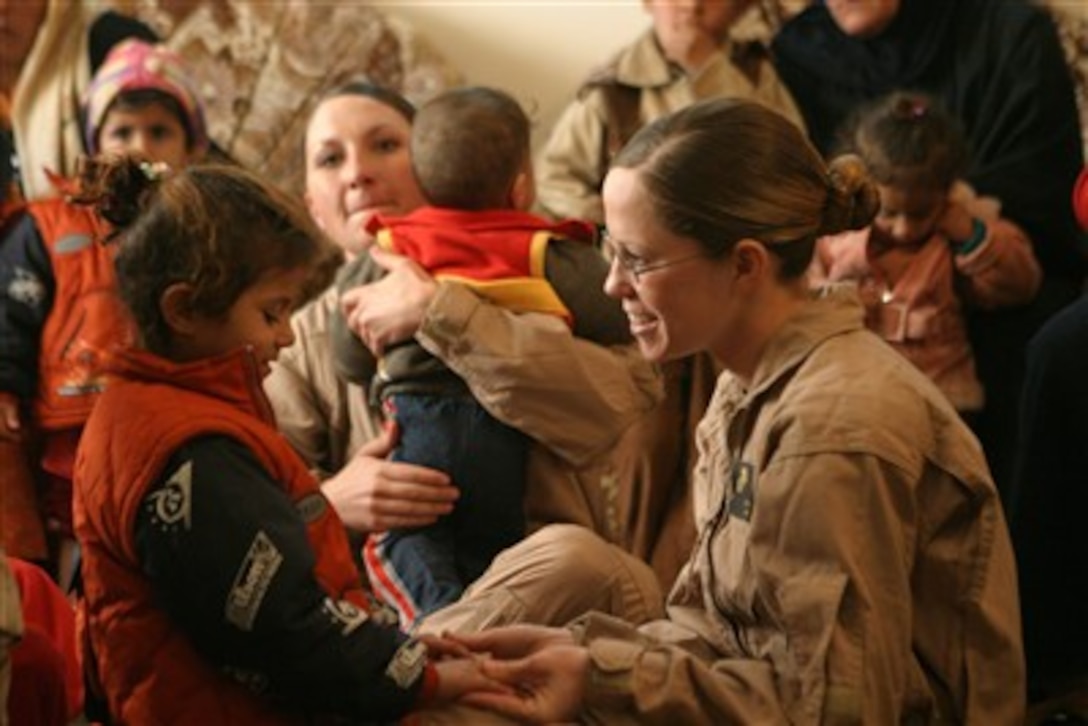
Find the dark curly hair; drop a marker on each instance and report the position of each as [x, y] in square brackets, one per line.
[218, 228]
[907, 139]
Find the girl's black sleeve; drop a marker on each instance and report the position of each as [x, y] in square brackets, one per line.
[228, 556]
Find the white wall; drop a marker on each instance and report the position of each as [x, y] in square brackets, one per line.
[537, 50]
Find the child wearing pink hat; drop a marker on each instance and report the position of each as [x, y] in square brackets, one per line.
[135, 77]
[60, 320]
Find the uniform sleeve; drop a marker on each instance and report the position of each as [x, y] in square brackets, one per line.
[229, 559]
[577, 271]
[354, 361]
[569, 170]
[1002, 271]
[831, 551]
[26, 296]
[518, 366]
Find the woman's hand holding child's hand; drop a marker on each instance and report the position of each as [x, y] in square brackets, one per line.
[513, 641]
[540, 672]
[459, 670]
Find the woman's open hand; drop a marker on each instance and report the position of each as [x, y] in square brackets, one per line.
[372, 494]
[545, 687]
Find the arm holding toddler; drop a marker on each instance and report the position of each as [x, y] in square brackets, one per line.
[515, 365]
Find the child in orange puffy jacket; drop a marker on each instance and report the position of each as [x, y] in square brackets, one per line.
[59, 318]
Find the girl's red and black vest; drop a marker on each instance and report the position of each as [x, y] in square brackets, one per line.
[87, 322]
[148, 670]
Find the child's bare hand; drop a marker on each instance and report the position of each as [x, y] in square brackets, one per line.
[956, 223]
[513, 641]
[458, 677]
[440, 647]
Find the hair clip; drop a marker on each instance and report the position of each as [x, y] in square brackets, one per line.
[912, 108]
[154, 171]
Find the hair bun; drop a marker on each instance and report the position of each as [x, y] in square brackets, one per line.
[852, 198]
[119, 188]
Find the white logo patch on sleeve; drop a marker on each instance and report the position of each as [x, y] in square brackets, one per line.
[407, 663]
[260, 565]
[345, 614]
[173, 503]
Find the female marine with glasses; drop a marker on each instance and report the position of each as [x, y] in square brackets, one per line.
[852, 563]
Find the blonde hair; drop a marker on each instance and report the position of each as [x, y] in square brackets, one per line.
[724, 170]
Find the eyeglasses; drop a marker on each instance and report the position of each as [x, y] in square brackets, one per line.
[637, 267]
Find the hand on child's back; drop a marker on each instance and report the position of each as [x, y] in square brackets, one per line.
[372, 494]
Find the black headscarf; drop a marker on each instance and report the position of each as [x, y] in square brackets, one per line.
[997, 66]
[830, 72]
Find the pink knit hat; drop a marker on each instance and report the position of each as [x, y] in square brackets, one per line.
[1080, 199]
[136, 65]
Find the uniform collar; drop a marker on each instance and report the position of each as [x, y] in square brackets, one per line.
[643, 65]
[831, 311]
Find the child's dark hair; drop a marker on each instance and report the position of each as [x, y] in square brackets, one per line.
[138, 99]
[907, 139]
[218, 228]
[468, 147]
